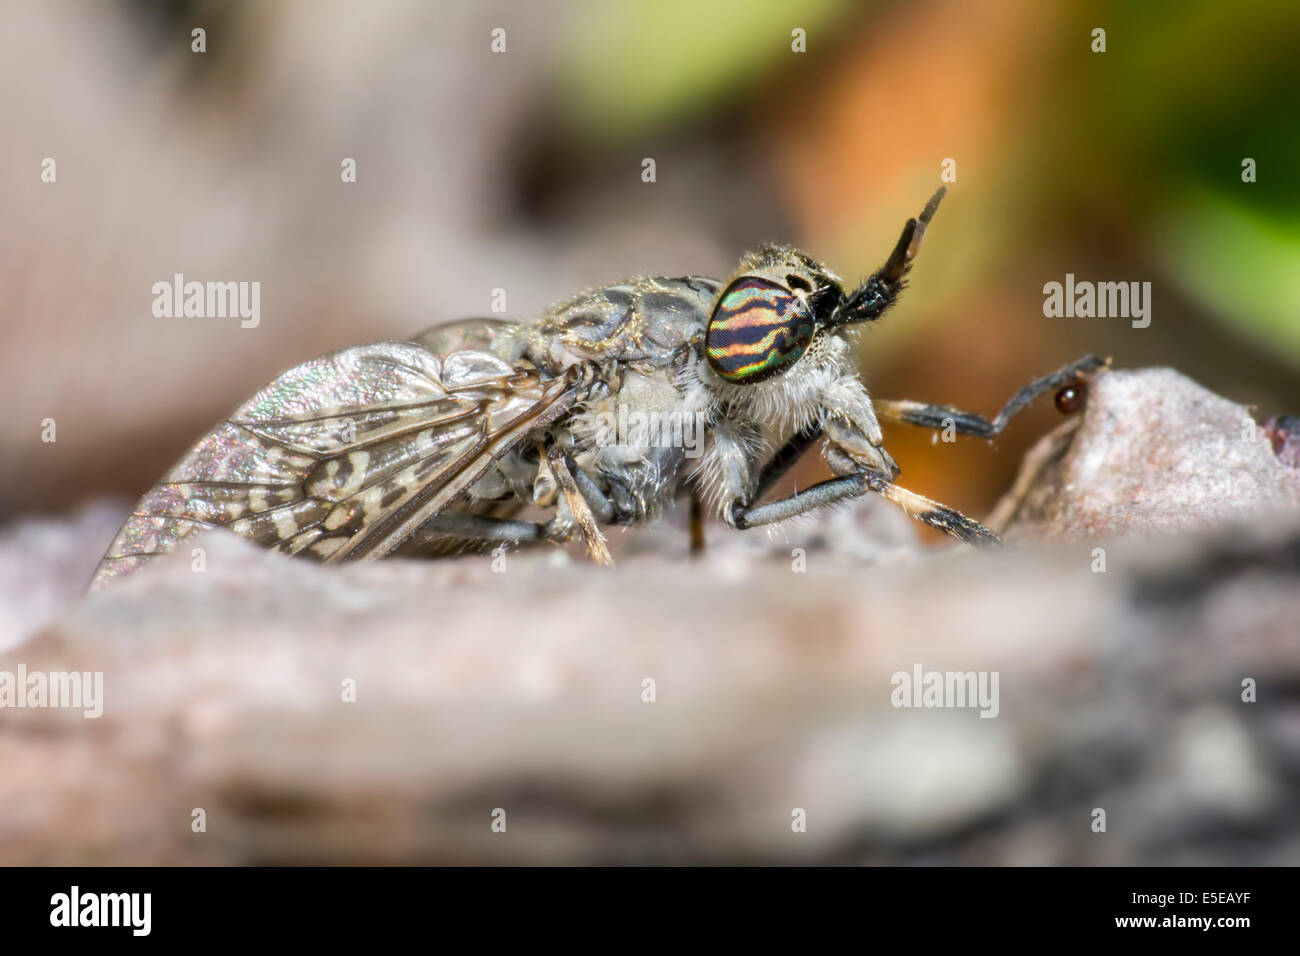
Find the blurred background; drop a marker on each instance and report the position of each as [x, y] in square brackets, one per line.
[522, 170]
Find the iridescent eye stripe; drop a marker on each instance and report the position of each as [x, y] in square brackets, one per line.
[757, 328]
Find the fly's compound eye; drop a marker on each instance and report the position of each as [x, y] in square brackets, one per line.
[758, 329]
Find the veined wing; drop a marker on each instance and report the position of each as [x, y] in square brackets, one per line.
[344, 456]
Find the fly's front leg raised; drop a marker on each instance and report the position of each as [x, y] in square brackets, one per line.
[855, 454]
[855, 446]
[939, 417]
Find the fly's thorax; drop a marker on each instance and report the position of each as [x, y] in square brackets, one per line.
[648, 409]
[648, 320]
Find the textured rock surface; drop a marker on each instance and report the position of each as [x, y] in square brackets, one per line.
[1120, 680]
[1153, 453]
[45, 564]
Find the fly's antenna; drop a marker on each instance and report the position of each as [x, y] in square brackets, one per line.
[909, 243]
[880, 291]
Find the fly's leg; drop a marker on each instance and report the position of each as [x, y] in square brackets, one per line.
[848, 445]
[939, 417]
[852, 486]
[583, 507]
[782, 461]
[847, 420]
[697, 525]
[856, 455]
[596, 499]
[945, 519]
[478, 528]
[583, 515]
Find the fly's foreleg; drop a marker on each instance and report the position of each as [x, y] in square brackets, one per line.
[782, 461]
[940, 417]
[834, 490]
[856, 455]
[855, 448]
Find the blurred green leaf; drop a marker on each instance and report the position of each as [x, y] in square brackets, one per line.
[640, 63]
[1244, 265]
[1165, 118]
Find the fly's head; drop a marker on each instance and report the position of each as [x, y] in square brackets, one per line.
[771, 313]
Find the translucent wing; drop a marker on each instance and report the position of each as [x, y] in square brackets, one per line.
[345, 456]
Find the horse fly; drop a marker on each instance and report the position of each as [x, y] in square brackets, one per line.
[439, 442]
